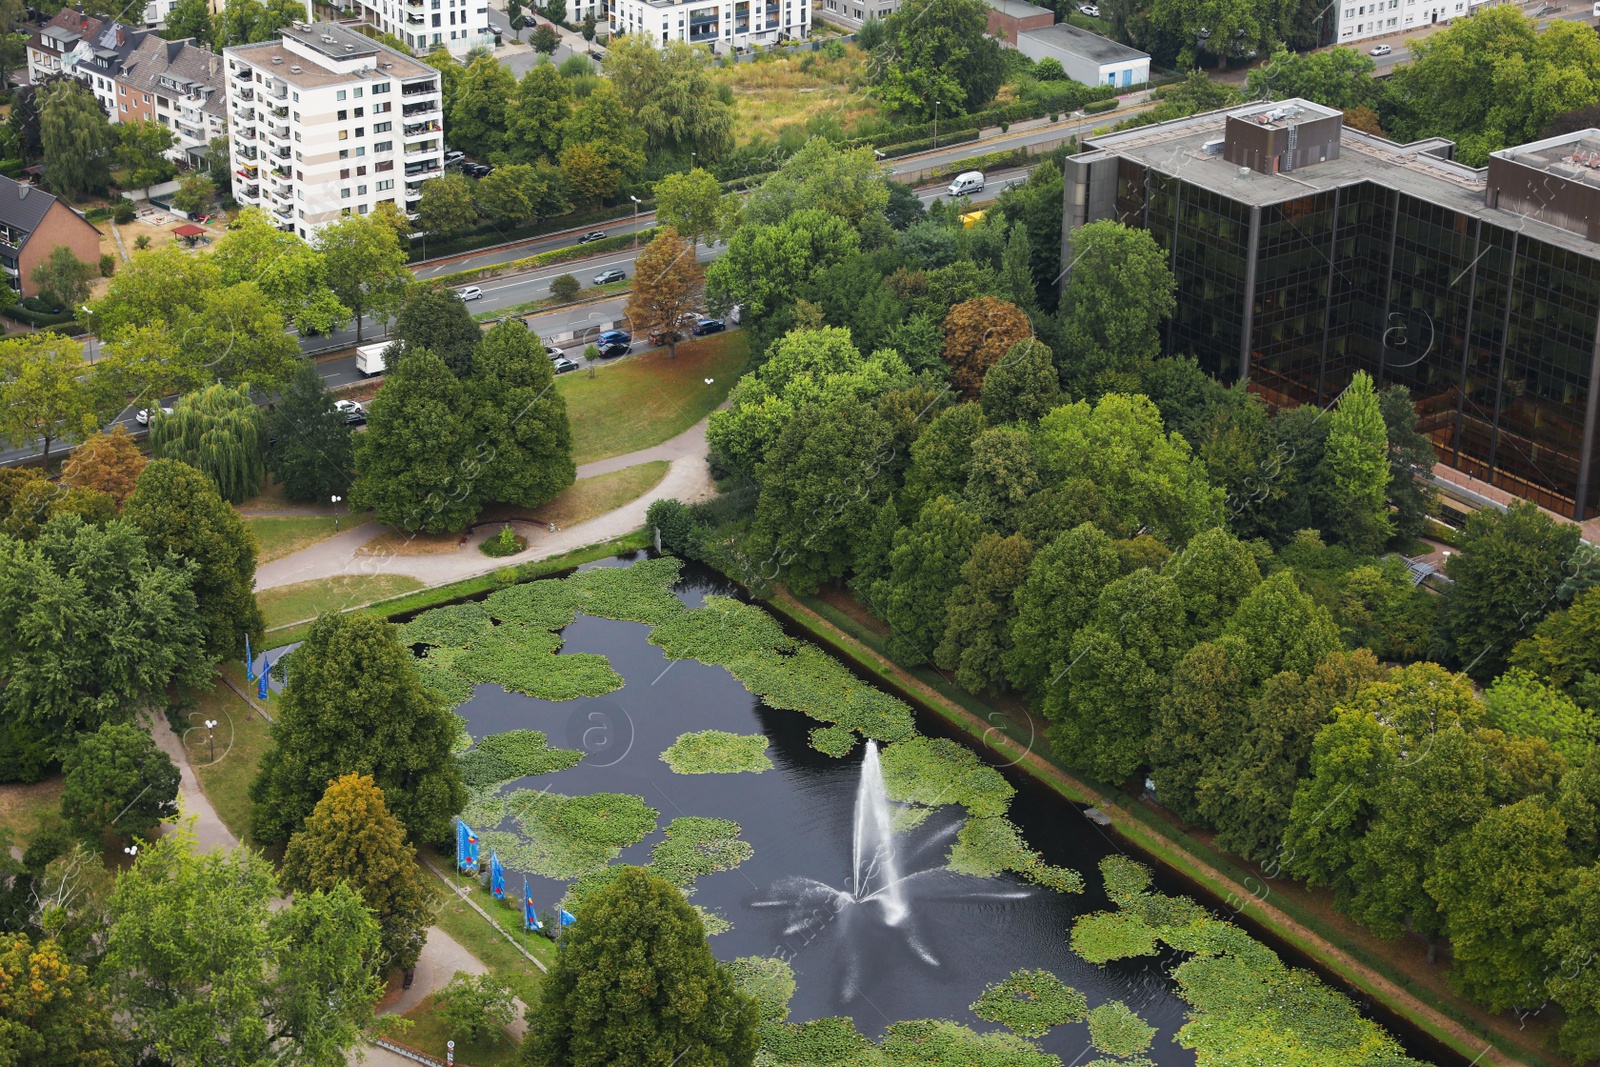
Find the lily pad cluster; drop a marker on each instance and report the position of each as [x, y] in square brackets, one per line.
[1030, 1003]
[1117, 1030]
[501, 758]
[718, 752]
[560, 836]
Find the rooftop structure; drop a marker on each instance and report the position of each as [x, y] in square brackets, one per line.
[1087, 57]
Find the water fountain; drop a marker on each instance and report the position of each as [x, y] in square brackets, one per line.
[877, 874]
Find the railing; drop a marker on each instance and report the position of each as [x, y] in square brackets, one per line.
[412, 151]
[244, 74]
[418, 90]
[284, 172]
[414, 169]
[247, 94]
[246, 114]
[419, 109]
[280, 132]
[280, 92]
[280, 112]
[245, 151]
[282, 153]
[422, 127]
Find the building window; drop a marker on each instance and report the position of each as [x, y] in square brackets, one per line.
[344, 172]
[344, 153]
[382, 127]
[381, 87]
[361, 131]
[361, 190]
[385, 185]
[360, 171]
[339, 95]
[361, 151]
[358, 95]
[383, 146]
[344, 194]
[381, 109]
[343, 114]
[361, 110]
[344, 135]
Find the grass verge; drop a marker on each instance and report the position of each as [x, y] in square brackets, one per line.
[429, 1032]
[241, 739]
[589, 497]
[25, 810]
[649, 398]
[456, 918]
[281, 536]
[304, 600]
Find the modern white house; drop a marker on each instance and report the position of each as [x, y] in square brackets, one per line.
[1358, 19]
[326, 122]
[1086, 57]
[721, 24]
[455, 25]
[850, 14]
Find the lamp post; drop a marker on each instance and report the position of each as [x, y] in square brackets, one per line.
[635, 200]
[336, 513]
[211, 724]
[936, 124]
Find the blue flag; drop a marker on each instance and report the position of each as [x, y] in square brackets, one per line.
[266, 669]
[567, 918]
[530, 915]
[466, 849]
[497, 876]
[249, 660]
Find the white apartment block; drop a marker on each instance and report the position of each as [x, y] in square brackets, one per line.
[721, 24]
[327, 122]
[456, 25]
[1360, 19]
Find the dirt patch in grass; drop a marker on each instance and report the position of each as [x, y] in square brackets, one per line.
[27, 809]
[306, 600]
[229, 761]
[429, 1032]
[281, 536]
[649, 398]
[588, 497]
[400, 543]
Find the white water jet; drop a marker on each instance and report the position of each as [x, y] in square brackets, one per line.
[877, 875]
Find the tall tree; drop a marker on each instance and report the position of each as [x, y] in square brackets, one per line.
[668, 282]
[517, 193]
[191, 19]
[602, 126]
[366, 265]
[1065, 580]
[1003, 482]
[116, 779]
[311, 451]
[691, 204]
[515, 407]
[846, 182]
[449, 206]
[53, 1013]
[1214, 573]
[1565, 648]
[351, 838]
[109, 462]
[438, 320]
[765, 265]
[47, 393]
[941, 457]
[636, 976]
[353, 703]
[1338, 77]
[204, 971]
[1411, 459]
[1357, 469]
[1200, 715]
[195, 193]
[180, 513]
[534, 116]
[939, 56]
[142, 152]
[1118, 291]
[414, 465]
[1283, 629]
[76, 138]
[978, 612]
[63, 279]
[477, 117]
[1574, 982]
[977, 335]
[218, 431]
[288, 271]
[670, 92]
[925, 568]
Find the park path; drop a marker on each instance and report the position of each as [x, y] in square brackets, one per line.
[688, 478]
[210, 832]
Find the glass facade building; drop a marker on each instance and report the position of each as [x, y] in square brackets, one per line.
[1478, 289]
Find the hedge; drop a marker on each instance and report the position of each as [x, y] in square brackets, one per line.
[12, 168]
[555, 224]
[38, 319]
[544, 259]
[910, 147]
[1011, 157]
[1099, 106]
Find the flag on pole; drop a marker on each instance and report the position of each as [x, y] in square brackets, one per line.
[497, 876]
[567, 918]
[530, 915]
[249, 660]
[266, 669]
[466, 849]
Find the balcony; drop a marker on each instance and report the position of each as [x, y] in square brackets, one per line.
[248, 173]
[424, 108]
[285, 173]
[280, 112]
[418, 88]
[278, 130]
[194, 132]
[422, 170]
[244, 151]
[245, 133]
[280, 153]
[244, 74]
[414, 19]
[249, 189]
[245, 114]
[247, 94]
[279, 92]
[418, 128]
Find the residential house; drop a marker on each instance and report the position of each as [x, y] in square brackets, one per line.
[32, 223]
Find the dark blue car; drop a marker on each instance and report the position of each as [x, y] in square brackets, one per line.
[616, 337]
[705, 326]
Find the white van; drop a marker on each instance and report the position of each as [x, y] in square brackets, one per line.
[966, 183]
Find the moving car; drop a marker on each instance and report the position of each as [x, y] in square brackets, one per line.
[606, 277]
[705, 326]
[1380, 50]
[352, 411]
[613, 349]
[142, 416]
[614, 337]
[592, 235]
[966, 183]
[471, 292]
[562, 365]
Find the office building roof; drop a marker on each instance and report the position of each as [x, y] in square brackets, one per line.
[1018, 9]
[295, 68]
[1090, 46]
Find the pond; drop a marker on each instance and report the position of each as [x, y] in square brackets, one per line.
[879, 934]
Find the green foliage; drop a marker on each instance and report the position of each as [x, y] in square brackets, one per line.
[1338, 77]
[925, 567]
[524, 660]
[561, 836]
[938, 50]
[448, 207]
[1023, 386]
[564, 287]
[366, 265]
[769, 980]
[940, 1043]
[63, 279]
[438, 320]
[501, 758]
[1108, 935]
[1065, 580]
[1117, 293]
[117, 779]
[1029, 1003]
[846, 183]
[503, 544]
[934, 770]
[75, 136]
[669, 90]
[985, 847]
[717, 752]
[311, 453]
[835, 741]
[635, 976]
[820, 1041]
[46, 392]
[1520, 704]
[1115, 1030]
[218, 431]
[476, 1005]
[1356, 466]
[53, 1012]
[696, 846]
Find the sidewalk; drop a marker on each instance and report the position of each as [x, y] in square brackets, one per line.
[687, 479]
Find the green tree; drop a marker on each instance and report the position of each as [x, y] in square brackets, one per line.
[938, 51]
[414, 465]
[1565, 648]
[63, 279]
[438, 320]
[1002, 482]
[1016, 270]
[1523, 706]
[545, 40]
[514, 404]
[1356, 465]
[191, 19]
[1283, 629]
[75, 137]
[180, 513]
[517, 193]
[218, 431]
[1338, 77]
[1215, 572]
[846, 182]
[476, 1005]
[1065, 580]
[669, 90]
[603, 133]
[117, 779]
[94, 628]
[535, 115]
[47, 394]
[1382, 610]
[195, 192]
[142, 151]
[941, 457]
[289, 272]
[1117, 293]
[1200, 715]
[978, 612]
[1411, 494]
[765, 265]
[351, 838]
[1574, 982]
[668, 283]
[52, 1011]
[588, 26]
[311, 452]
[635, 977]
[691, 203]
[1505, 580]
[204, 971]
[449, 205]
[925, 567]
[353, 703]
[365, 263]
[514, 14]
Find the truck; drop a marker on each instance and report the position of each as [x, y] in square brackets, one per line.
[369, 358]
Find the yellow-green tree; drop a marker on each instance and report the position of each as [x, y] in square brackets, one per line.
[45, 392]
[668, 283]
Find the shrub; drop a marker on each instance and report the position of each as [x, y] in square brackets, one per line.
[123, 212]
[108, 265]
[564, 287]
[1096, 107]
[505, 543]
[476, 1005]
[672, 518]
[1049, 69]
[141, 242]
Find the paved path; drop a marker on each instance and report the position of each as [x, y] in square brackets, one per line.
[210, 831]
[687, 479]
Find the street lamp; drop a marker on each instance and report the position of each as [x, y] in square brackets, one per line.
[635, 200]
[132, 850]
[211, 724]
[450, 1053]
[336, 513]
[936, 124]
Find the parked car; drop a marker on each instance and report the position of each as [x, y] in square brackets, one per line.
[705, 326]
[452, 158]
[142, 416]
[1092, 10]
[612, 337]
[597, 55]
[561, 365]
[1380, 50]
[553, 353]
[966, 182]
[606, 277]
[471, 292]
[614, 349]
[592, 235]
[352, 411]
[476, 170]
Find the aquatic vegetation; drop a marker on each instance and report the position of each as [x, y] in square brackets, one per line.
[718, 752]
[1030, 1003]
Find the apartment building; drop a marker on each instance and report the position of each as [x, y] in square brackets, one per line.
[456, 25]
[90, 49]
[178, 84]
[1359, 19]
[326, 122]
[720, 24]
[1305, 250]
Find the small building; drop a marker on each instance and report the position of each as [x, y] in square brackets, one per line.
[1008, 18]
[32, 222]
[1086, 57]
[850, 14]
[90, 49]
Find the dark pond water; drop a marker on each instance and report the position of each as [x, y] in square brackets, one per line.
[960, 932]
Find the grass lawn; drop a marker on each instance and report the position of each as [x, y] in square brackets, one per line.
[458, 920]
[286, 535]
[241, 739]
[648, 398]
[305, 600]
[546, 303]
[27, 809]
[429, 1033]
[589, 497]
